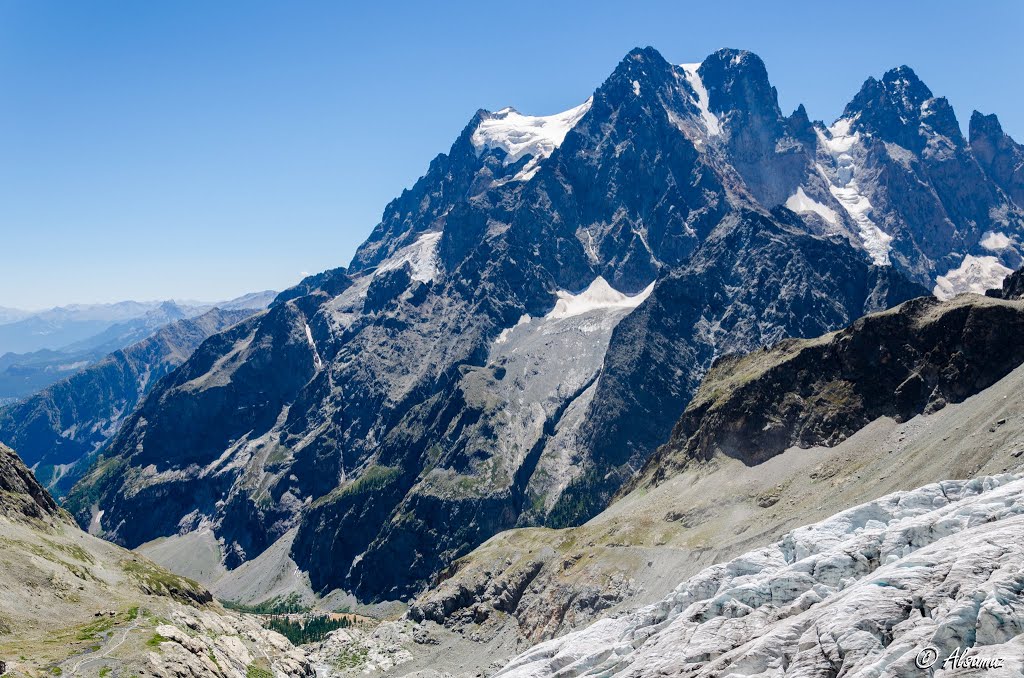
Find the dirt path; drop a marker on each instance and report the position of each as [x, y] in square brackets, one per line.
[107, 647]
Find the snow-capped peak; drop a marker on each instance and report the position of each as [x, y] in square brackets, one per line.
[521, 135]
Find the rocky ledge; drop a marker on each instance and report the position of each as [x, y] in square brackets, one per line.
[912, 359]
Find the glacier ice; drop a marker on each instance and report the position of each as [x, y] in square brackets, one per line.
[858, 594]
[974, 274]
[521, 135]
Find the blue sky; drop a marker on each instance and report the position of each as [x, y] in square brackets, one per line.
[204, 149]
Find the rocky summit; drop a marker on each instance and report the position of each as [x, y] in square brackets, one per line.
[526, 324]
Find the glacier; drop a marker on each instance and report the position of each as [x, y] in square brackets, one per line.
[858, 594]
[521, 135]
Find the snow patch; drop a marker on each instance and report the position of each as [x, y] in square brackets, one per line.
[598, 296]
[312, 345]
[994, 242]
[636, 88]
[503, 336]
[521, 135]
[711, 122]
[421, 256]
[974, 275]
[800, 202]
[96, 524]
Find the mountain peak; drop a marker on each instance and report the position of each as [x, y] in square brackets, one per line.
[640, 65]
[894, 108]
[984, 126]
[738, 80]
[643, 54]
[999, 155]
[899, 91]
[904, 79]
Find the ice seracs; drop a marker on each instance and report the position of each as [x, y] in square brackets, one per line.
[858, 594]
[841, 145]
[522, 135]
[710, 119]
[974, 274]
[599, 295]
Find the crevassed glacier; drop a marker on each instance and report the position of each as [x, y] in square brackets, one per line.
[859, 594]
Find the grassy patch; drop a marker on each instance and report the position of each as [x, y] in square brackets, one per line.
[157, 581]
[105, 671]
[254, 670]
[352, 658]
[374, 479]
[73, 550]
[94, 629]
[48, 550]
[156, 640]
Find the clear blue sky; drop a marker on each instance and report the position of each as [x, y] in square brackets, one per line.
[205, 149]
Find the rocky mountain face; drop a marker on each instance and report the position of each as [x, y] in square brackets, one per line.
[528, 321]
[23, 496]
[1012, 288]
[1000, 156]
[60, 429]
[773, 438]
[749, 285]
[914, 359]
[71, 604]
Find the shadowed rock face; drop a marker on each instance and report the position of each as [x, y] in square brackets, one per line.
[912, 359]
[378, 410]
[752, 283]
[998, 154]
[1012, 288]
[21, 495]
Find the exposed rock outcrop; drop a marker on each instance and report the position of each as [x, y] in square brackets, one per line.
[1012, 288]
[21, 495]
[914, 358]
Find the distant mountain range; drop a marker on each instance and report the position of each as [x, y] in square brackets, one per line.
[42, 347]
[527, 324]
[60, 429]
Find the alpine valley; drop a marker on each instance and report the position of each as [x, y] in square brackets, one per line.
[669, 383]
